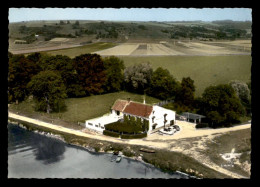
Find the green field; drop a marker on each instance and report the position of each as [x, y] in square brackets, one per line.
[204, 70]
[81, 109]
[76, 51]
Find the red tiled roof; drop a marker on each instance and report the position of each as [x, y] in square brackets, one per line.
[138, 109]
[119, 105]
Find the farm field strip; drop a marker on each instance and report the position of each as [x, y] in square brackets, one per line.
[123, 49]
[237, 47]
[207, 49]
[183, 48]
[168, 50]
[43, 48]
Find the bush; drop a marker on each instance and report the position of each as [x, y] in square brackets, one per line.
[110, 133]
[123, 127]
[202, 125]
[128, 153]
[135, 136]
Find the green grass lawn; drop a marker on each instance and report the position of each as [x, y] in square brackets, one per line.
[204, 70]
[81, 109]
[76, 51]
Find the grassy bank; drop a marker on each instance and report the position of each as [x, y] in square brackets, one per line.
[81, 109]
[165, 160]
[240, 141]
[204, 70]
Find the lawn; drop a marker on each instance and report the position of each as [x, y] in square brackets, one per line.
[76, 51]
[81, 109]
[204, 70]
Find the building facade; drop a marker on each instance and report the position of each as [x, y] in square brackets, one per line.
[156, 116]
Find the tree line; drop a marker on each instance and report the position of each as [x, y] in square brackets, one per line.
[52, 79]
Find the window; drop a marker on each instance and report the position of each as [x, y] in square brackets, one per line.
[153, 119]
[102, 127]
[118, 112]
[96, 125]
[90, 124]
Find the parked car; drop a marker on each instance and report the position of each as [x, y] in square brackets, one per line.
[176, 127]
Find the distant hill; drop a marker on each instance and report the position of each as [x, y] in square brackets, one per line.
[120, 31]
[234, 24]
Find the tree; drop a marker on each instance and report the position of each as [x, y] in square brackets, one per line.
[243, 92]
[163, 85]
[48, 91]
[91, 72]
[186, 92]
[63, 65]
[138, 77]
[114, 68]
[221, 105]
[35, 57]
[62, 22]
[10, 55]
[21, 70]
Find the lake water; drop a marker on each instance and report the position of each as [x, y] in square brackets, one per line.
[32, 155]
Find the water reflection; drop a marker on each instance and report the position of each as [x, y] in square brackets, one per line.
[47, 150]
[31, 155]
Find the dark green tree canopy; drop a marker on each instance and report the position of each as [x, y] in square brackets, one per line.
[114, 68]
[35, 57]
[163, 84]
[91, 72]
[186, 92]
[63, 65]
[221, 105]
[21, 70]
[48, 91]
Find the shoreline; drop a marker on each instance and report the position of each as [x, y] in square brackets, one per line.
[193, 167]
[92, 150]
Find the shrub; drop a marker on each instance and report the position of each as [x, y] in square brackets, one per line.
[202, 125]
[123, 127]
[135, 136]
[128, 153]
[110, 133]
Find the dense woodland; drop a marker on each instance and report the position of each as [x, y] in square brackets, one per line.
[52, 79]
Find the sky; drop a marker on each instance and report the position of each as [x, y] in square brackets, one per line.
[132, 14]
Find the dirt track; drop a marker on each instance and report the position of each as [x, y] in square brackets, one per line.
[155, 140]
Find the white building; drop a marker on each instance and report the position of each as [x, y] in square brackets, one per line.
[98, 124]
[156, 115]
